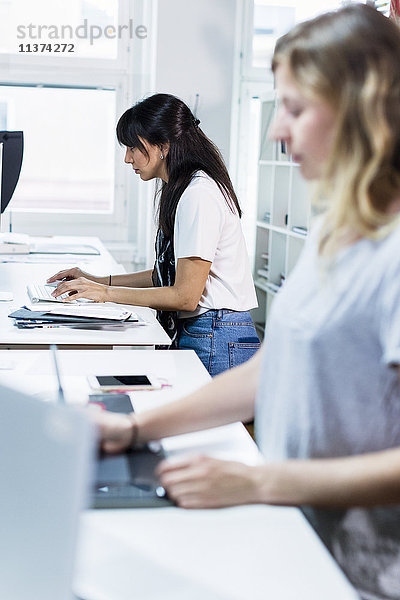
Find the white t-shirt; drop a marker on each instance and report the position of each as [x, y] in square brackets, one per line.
[206, 227]
[328, 389]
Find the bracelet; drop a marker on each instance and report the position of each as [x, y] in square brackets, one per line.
[109, 281]
[135, 430]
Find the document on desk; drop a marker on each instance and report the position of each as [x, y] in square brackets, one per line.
[103, 312]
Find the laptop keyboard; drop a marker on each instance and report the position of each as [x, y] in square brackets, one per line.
[131, 491]
[130, 496]
[38, 293]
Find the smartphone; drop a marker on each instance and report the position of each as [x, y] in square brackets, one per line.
[123, 382]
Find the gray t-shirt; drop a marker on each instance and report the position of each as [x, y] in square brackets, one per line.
[329, 387]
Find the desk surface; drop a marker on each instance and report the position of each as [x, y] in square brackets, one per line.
[255, 552]
[16, 275]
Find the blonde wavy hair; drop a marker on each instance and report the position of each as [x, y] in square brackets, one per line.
[350, 58]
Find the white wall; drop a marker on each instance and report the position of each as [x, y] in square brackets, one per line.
[195, 54]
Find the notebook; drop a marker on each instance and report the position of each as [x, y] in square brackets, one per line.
[46, 459]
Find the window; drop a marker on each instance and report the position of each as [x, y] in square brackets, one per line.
[69, 147]
[4, 111]
[269, 23]
[272, 18]
[91, 25]
[67, 104]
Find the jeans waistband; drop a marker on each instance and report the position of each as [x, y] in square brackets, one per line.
[218, 312]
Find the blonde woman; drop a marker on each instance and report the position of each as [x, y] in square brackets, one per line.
[325, 387]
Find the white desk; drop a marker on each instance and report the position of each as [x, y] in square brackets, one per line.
[241, 553]
[14, 277]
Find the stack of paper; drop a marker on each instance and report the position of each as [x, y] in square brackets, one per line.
[79, 317]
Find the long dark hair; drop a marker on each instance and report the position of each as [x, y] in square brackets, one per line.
[163, 119]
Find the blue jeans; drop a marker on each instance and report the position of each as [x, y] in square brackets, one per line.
[222, 339]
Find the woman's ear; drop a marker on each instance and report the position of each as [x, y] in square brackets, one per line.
[164, 149]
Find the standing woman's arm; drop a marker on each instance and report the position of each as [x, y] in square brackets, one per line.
[190, 281]
[139, 279]
[199, 220]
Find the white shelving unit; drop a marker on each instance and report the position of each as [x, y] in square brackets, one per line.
[283, 204]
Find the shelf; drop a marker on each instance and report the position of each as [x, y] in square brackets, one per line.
[272, 292]
[299, 236]
[264, 287]
[283, 230]
[283, 196]
[260, 285]
[275, 163]
[263, 224]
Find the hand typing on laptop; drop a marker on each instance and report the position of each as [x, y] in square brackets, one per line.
[78, 284]
[74, 273]
[81, 288]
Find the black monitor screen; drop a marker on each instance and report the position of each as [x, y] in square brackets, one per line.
[12, 149]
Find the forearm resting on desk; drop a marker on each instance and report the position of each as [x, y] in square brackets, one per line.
[190, 281]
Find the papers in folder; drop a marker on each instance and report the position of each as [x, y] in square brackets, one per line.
[110, 313]
[80, 317]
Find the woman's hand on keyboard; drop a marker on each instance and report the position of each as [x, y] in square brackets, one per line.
[75, 273]
[81, 288]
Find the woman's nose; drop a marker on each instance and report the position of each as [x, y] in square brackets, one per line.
[128, 158]
[279, 130]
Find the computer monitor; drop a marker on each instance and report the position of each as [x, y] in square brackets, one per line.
[11, 153]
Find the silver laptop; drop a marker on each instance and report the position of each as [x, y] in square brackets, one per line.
[46, 455]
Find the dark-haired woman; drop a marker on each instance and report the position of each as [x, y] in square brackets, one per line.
[201, 284]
